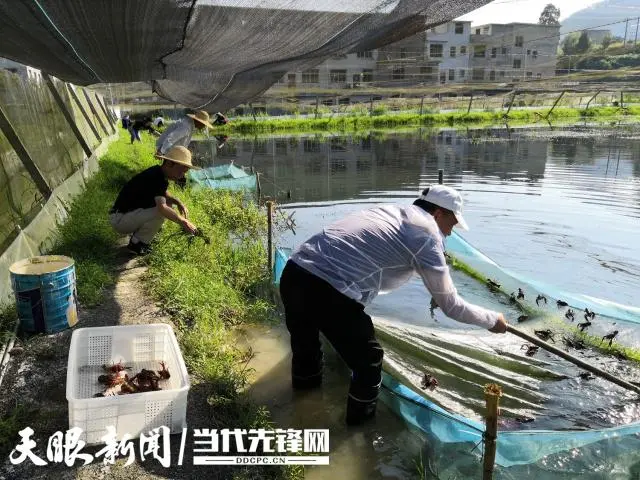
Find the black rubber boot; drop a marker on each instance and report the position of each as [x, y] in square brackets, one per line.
[306, 383]
[359, 412]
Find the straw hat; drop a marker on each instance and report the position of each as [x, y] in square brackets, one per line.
[179, 154]
[202, 117]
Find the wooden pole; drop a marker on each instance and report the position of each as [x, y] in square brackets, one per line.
[269, 236]
[421, 105]
[621, 99]
[258, 186]
[470, 102]
[94, 111]
[440, 176]
[371, 107]
[513, 99]
[76, 99]
[23, 155]
[492, 394]
[591, 99]
[572, 359]
[554, 105]
[317, 105]
[67, 114]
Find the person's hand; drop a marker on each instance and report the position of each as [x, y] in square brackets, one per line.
[500, 326]
[183, 210]
[189, 227]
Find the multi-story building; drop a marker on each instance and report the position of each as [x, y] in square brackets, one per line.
[513, 52]
[404, 63]
[447, 46]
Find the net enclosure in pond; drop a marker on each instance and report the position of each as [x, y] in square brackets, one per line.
[207, 54]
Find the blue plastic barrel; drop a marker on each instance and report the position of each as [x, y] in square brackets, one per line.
[45, 291]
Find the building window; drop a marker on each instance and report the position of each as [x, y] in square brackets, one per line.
[459, 28]
[311, 76]
[461, 73]
[477, 31]
[494, 52]
[367, 75]
[485, 30]
[365, 54]
[492, 75]
[452, 74]
[529, 74]
[452, 52]
[403, 53]
[478, 74]
[528, 52]
[501, 74]
[517, 63]
[397, 73]
[443, 77]
[337, 76]
[538, 75]
[535, 54]
[519, 40]
[435, 50]
[504, 50]
[479, 51]
[463, 49]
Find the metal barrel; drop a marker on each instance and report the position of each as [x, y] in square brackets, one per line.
[45, 292]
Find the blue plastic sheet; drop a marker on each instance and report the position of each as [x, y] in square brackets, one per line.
[228, 177]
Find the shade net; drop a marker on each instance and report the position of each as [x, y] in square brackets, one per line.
[209, 54]
[453, 440]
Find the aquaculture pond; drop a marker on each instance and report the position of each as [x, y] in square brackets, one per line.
[557, 205]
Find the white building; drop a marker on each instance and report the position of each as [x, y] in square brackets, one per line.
[448, 44]
[513, 52]
[26, 72]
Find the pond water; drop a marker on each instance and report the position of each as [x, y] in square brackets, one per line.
[560, 205]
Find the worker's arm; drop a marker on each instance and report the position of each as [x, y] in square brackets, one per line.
[170, 214]
[432, 267]
[171, 201]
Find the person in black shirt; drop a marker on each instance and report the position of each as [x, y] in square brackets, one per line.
[144, 203]
[141, 124]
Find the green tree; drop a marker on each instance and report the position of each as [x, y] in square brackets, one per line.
[550, 15]
[607, 40]
[583, 44]
[569, 44]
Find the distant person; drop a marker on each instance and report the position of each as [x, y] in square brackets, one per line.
[222, 140]
[332, 277]
[158, 122]
[180, 132]
[144, 202]
[220, 119]
[126, 122]
[141, 124]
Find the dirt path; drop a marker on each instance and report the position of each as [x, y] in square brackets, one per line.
[36, 379]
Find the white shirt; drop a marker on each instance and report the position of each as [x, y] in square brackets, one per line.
[177, 134]
[380, 249]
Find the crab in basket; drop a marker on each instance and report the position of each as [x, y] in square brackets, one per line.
[118, 382]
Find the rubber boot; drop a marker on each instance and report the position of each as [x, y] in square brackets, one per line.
[358, 412]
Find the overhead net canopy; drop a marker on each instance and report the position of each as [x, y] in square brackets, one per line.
[208, 54]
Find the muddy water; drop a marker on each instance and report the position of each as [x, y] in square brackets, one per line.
[559, 205]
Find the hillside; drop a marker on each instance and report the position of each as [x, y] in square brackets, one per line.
[607, 11]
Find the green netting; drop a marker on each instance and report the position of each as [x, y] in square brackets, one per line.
[455, 442]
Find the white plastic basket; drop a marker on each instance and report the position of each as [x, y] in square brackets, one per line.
[137, 346]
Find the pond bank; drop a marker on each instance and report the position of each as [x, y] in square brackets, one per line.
[204, 290]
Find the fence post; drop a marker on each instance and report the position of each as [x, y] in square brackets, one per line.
[270, 236]
[513, 99]
[440, 176]
[492, 394]
[23, 155]
[591, 99]
[82, 110]
[258, 185]
[95, 112]
[621, 99]
[371, 107]
[317, 105]
[470, 102]
[554, 105]
[67, 114]
[106, 114]
[421, 105]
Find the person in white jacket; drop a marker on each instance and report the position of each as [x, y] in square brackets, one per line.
[180, 133]
[334, 275]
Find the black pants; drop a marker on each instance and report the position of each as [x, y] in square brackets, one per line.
[312, 306]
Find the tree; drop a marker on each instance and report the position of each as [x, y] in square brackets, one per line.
[583, 43]
[550, 15]
[569, 44]
[607, 40]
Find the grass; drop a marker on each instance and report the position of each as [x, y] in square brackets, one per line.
[358, 122]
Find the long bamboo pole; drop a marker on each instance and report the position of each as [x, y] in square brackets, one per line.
[492, 394]
[572, 359]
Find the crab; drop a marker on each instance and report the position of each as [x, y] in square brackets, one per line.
[610, 336]
[429, 381]
[164, 372]
[531, 350]
[589, 314]
[541, 298]
[115, 367]
[522, 318]
[570, 315]
[561, 303]
[576, 343]
[545, 335]
[492, 284]
[520, 294]
[584, 326]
